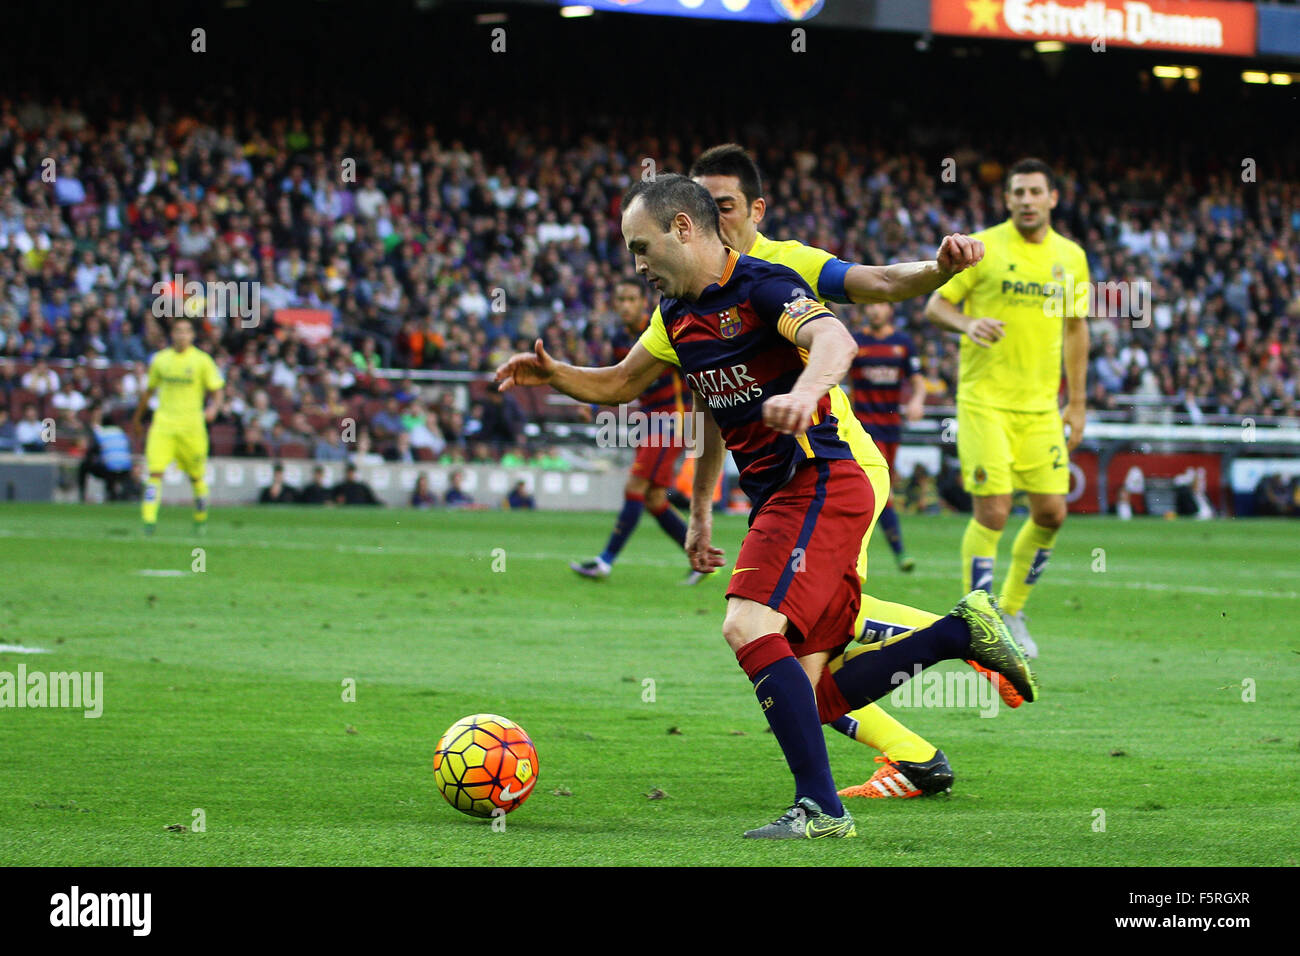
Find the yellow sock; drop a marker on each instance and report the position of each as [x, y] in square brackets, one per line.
[878, 729]
[200, 500]
[875, 727]
[886, 617]
[152, 498]
[1029, 554]
[979, 549]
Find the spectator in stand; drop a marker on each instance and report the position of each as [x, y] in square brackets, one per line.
[352, 491]
[1273, 497]
[502, 421]
[520, 498]
[387, 423]
[67, 399]
[456, 495]
[317, 492]
[106, 455]
[251, 444]
[401, 451]
[41, 379]
[422, 496]
[8, 432]
[278, 492]
[30, 430]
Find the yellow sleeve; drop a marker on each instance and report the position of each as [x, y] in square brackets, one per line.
[958, 287]
[808, 262]
[155, 374]
[212, 379]
[655, 340]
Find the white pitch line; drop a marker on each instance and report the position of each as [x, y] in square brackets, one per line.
[19, 649]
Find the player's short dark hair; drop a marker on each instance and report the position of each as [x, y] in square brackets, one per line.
[730, 159]
[1031, 165]
[632, 281]
[670, 193]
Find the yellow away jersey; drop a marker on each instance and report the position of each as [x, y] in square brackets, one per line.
[183, 380]
[1031, 287]
[807, 261]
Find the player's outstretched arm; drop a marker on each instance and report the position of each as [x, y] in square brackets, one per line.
[903, 280]
[983, 332]
[611, 385]
[831, 349]
[708, 466]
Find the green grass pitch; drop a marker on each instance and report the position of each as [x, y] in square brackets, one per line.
[223, 692]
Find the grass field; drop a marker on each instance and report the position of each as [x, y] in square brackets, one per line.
[223, 692]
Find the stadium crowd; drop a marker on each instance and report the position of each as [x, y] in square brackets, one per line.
[433, 254]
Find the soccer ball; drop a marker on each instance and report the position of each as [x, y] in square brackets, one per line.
[485, 763]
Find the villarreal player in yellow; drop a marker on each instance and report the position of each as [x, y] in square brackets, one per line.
[911, 765]
[183, 377]
[1020, 311]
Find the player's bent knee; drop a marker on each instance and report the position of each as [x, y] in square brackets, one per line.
[1051, 518]
[636, 486]
[993, 511]
[746, 621]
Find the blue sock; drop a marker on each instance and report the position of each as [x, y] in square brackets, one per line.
[878, 669]
[893, 531]
[672, 524]
[623, 527]
[790, 707]
[847, 726]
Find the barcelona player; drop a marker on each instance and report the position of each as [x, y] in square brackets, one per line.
[657, 457]
[912, 766]
[763, 359]
[1022, 309]
[183, 376]
[886, 359]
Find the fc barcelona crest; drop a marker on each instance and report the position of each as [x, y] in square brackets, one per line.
[728, 324]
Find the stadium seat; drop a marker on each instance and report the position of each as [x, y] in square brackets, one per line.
[222, 439]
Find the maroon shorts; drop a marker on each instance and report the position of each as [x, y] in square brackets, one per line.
[656, 461]
[800, 554]
[888, 449]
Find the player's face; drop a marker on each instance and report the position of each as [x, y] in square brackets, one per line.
[878, 315]
[629, 303]
[182, 336]
[659, 256]
[1030, 201]
[738, 219]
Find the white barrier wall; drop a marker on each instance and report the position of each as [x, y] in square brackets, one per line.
[236, 481]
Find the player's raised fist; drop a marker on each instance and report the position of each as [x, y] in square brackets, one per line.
[526, 368]
[789, 414]
[958, 252]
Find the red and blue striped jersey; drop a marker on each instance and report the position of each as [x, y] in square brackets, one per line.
[879, 370]
[735, 346]
[664, 394]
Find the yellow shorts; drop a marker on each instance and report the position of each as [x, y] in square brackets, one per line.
[185, 445]
[1001, 451]
[878, 475]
